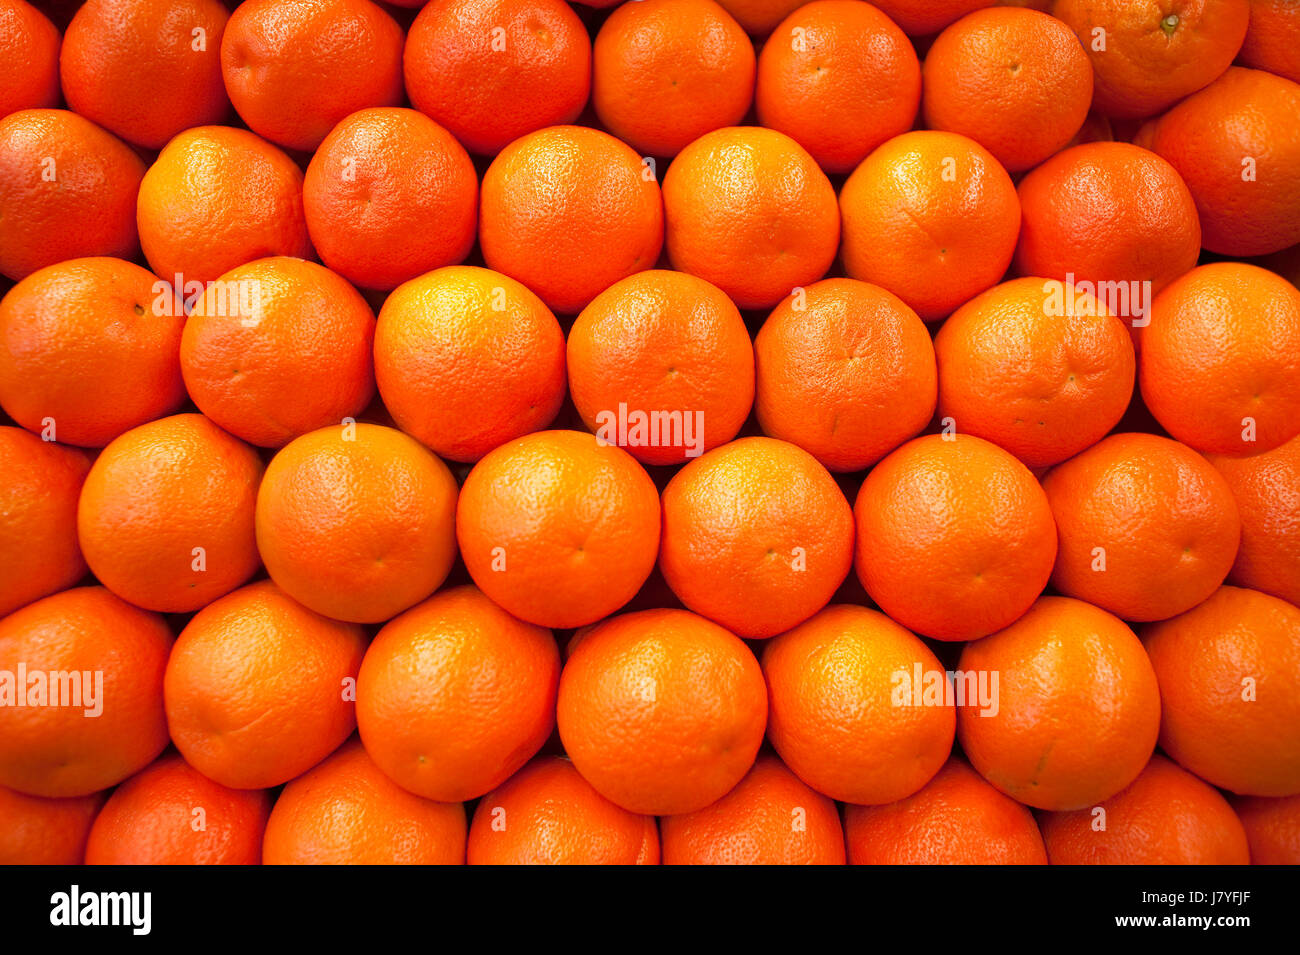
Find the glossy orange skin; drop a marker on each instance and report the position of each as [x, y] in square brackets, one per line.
[132, 67]
[534, 543]
[661, 711]
[87, 353]
[547, 814]
[954, 536]
[455, 695]
[257, 687]
[1272, 38]
[568, 211]
[956, 819]
[151, 819]
[931, 217]
[488, 94]
[29, 73]
[154, 496]
[67, 190]
[748, 210]
[39, 831]
[217, 198]
[1107, 212]
[1164, 817]
[665, 72]
[1202, 659]
[756, 536]
[1222, 350]
[770, 818]
[845, 371]
[832, 712]
[298, 360]
[388, 196]
[846, 82]
[1042, 386]
[1266, 488]
[1016, 81]
[295, 68]
[1078, 706]
[662, 341]
[56, 751]
[357, 522]
[40, 482]
[347, 812]
[1272, 828]
[1156, 51]
[1209, 136]
[920, 18]
[1165, 519]
[758, 18]
[468, 359]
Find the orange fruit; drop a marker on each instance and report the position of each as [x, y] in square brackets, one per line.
[547, 814]
[146, 69]
[840, 713]
[661, 711]
[40, 483]
[1108, 213]
[388, 196]
[40, 831]
[756, 536]
[89, 349]
[1228, 670]
[1272, 38]
[665, 72]
[846, 371]
[171, 814]
[347, 812]
[29, 73]
[216, 198]
[258, 688]
[1077, 706]
[1038, 380]
[67, 190]
[1149, 54]
[1164, 817]
[468, 359]
[748, 210]
[1016, 81]
[1146, 527]
[668, 355]
[759, 17]
[1220, 361]
[1237, 146]
[490, 71]
[295, 68]
[931, 217]
[357, 522]
[455, 695]
[955, 819]
[839, 78]
[1266, 488]
[569, 211]
[107, 658]
[1272, 828]
[165, 518]
[277, 348]
[770, 818]
[926, 17]
[557, 528]
[954, 536]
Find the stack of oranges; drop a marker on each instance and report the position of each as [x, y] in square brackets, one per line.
[678, 431]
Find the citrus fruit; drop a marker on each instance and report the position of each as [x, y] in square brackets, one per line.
[1272, 38]
[1272, 828]
[29, 75]
[357, 522]
[41, 831]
